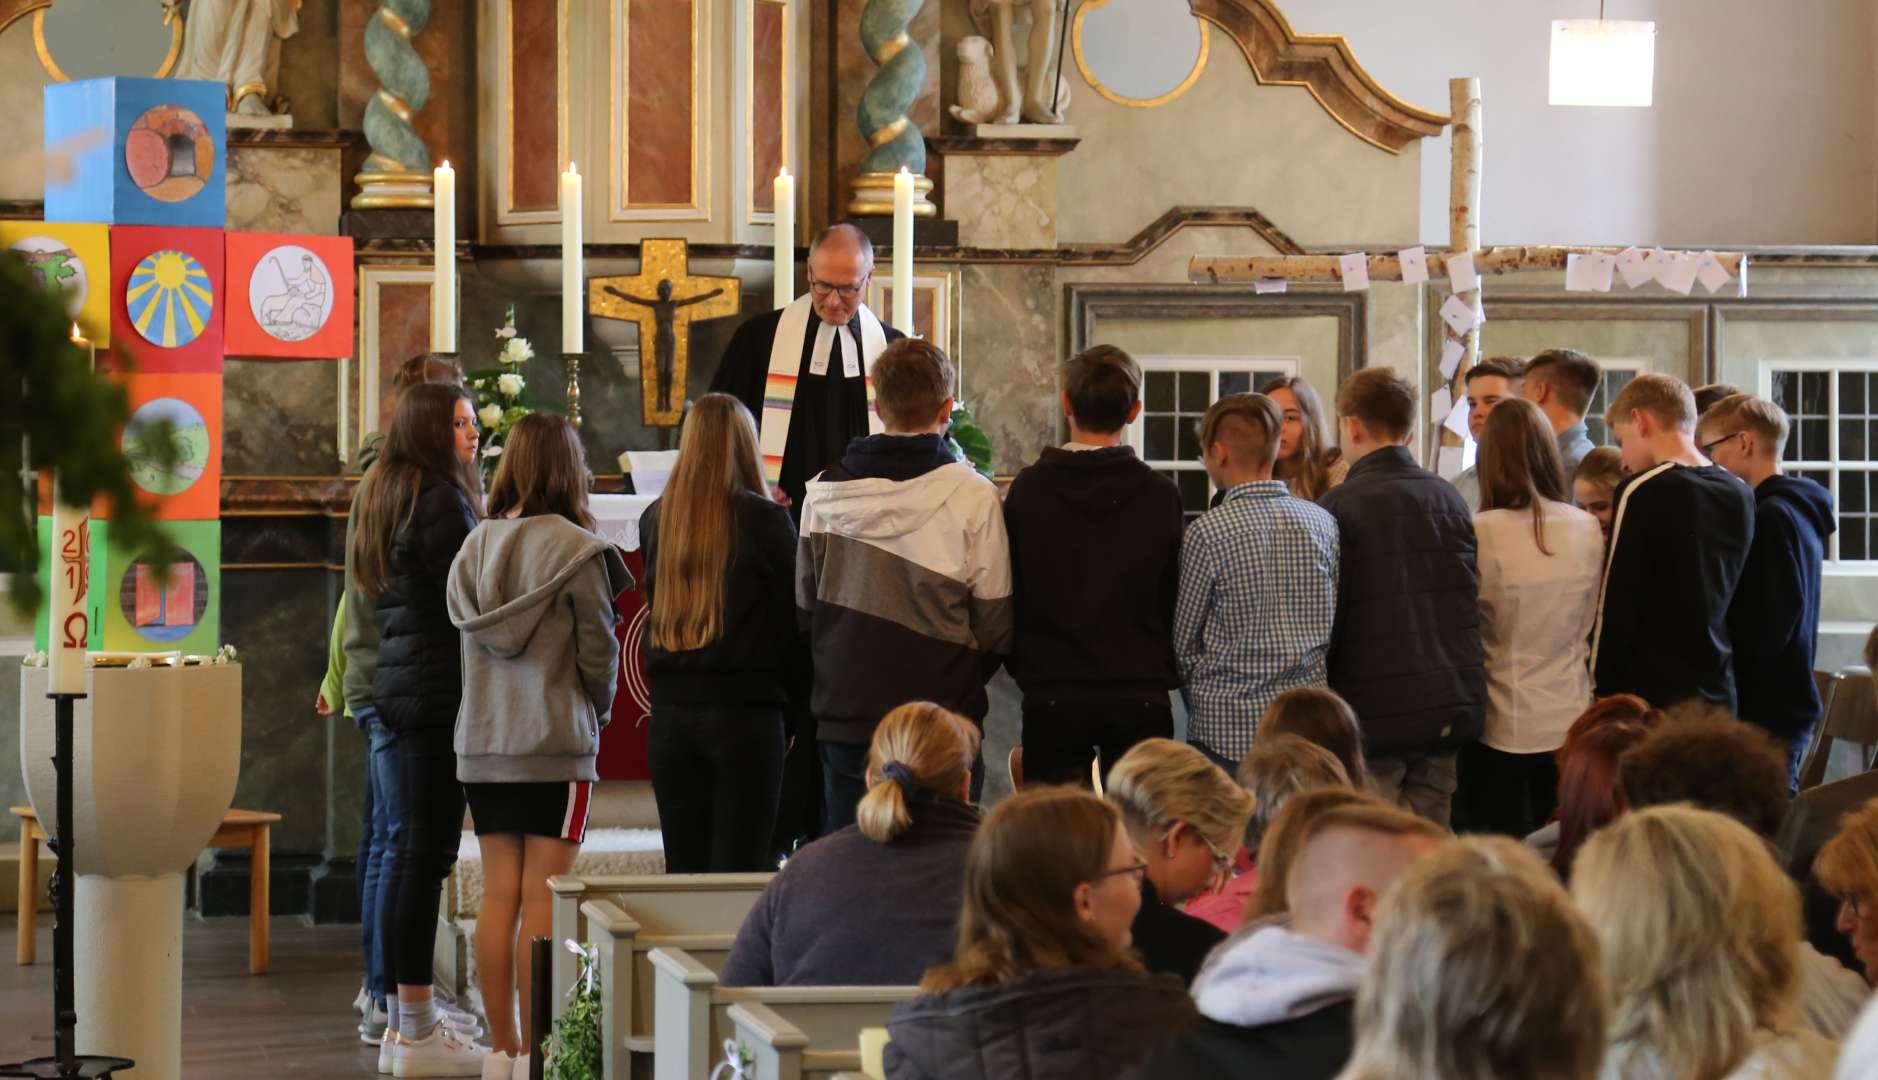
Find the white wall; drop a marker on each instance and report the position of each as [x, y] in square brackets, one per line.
[1763, 130]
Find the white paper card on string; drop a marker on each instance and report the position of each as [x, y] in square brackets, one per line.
[1265, 286]
[1451, 354]
[1658, 261]
[1461, 275]
[1457, 419]
[1440, 405]
[1634, 265]
[1678, 272]
[1589, 272]
[1710, 272]
[1414, 265]
[1448, 462]
[1355, 270]
[1457, 314]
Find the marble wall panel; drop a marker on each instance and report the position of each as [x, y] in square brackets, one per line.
[660, 108]
[1009, 360]
[534, 113]
[769, 107]
[309, 66]
[285, 189]
[403, 332]
[278, 620]
[280, 418]
[1002, 200]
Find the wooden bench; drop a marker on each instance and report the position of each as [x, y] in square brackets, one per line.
[247, 829]
[659, 903]
[627, 983]
[800, 1030]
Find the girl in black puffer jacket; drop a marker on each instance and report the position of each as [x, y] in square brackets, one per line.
[414, 510]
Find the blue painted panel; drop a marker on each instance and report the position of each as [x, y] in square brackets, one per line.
[163, 161]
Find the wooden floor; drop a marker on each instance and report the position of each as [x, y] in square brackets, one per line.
[294, 1021]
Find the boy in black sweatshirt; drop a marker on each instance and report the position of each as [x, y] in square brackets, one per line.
[1774, 620]
[1679, 538]
[1095, 553]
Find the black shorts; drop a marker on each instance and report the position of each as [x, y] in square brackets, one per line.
[554, 810]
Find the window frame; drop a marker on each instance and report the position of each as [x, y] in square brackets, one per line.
[1213, 366]
[1831, 368]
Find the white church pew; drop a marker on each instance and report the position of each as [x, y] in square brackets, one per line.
[781, 1050]
[693, 1018]
[626, 981]
[659, 903]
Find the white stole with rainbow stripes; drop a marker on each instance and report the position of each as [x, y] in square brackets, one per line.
[785, 362]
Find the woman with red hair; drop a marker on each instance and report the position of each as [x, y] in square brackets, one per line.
[1588, 793]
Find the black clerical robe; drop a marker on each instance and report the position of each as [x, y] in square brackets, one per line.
[830, 410]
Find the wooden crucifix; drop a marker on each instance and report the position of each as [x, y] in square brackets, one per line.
[1463, 238]
[664, 298]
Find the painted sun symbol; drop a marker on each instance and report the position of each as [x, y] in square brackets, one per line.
[169, 299]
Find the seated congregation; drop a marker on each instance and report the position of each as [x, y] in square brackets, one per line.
[1595, 665]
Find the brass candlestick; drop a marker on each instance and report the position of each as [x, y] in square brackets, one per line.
[573, 388]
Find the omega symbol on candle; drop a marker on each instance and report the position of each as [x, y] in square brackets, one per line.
[75, 555]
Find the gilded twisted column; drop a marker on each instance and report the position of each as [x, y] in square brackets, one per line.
[894, 140]
[397, 173]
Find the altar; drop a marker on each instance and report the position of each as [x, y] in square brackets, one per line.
[623, 742]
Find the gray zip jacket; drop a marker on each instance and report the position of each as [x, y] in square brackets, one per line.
[534, 599]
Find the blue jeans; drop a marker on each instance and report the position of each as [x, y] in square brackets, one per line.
[426, 814]
[1797, 747]
[383, 800]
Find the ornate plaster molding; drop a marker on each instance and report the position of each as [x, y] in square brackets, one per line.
[1324, 65]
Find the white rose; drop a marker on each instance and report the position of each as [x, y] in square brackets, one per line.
[490, 415]
[517, 351]
[509, 385]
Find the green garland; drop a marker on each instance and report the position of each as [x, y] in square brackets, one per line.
[574, 1051]
[969, 441]
[70, 418]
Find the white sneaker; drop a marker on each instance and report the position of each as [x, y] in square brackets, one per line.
[444, 1053]
[372, 1024]
[384, 1052]
[463, 1023]
[498, 1066]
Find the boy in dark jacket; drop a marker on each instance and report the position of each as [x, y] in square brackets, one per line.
[1405, 652]
[1095, 553]
[903, 575]
[1774, 619]
[1277, 1001]
[1680, 532]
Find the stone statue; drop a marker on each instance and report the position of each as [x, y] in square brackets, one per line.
[978, 94]
[1041, 96]
[237, 42]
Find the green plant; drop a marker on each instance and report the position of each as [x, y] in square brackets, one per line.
[969, 441]
[574, 1041]
[57, 413]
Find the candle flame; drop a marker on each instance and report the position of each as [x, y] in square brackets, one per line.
[76, 336]
[445, 167]
[782, 172]
[571, 170]
[903, 168]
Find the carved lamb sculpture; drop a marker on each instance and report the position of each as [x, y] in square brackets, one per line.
[978, 92]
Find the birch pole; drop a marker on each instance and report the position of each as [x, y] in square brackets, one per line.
[1464, 226]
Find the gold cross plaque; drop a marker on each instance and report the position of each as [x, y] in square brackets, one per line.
[664, 299]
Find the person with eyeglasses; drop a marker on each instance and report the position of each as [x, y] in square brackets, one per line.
[1680, 534]
[1042, 983]
[1186, 818]
[804, 370]
[1774, 618]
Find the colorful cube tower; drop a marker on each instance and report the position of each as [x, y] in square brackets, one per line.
[134, 237]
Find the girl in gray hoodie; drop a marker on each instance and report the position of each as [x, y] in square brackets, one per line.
[533, 592]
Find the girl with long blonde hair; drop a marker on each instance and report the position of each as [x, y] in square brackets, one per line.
[1309, 461]
[720, 586]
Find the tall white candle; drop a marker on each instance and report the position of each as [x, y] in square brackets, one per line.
[903, 251]
[785, 269]
[573, 266]
[69, 622]
[443, 290]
